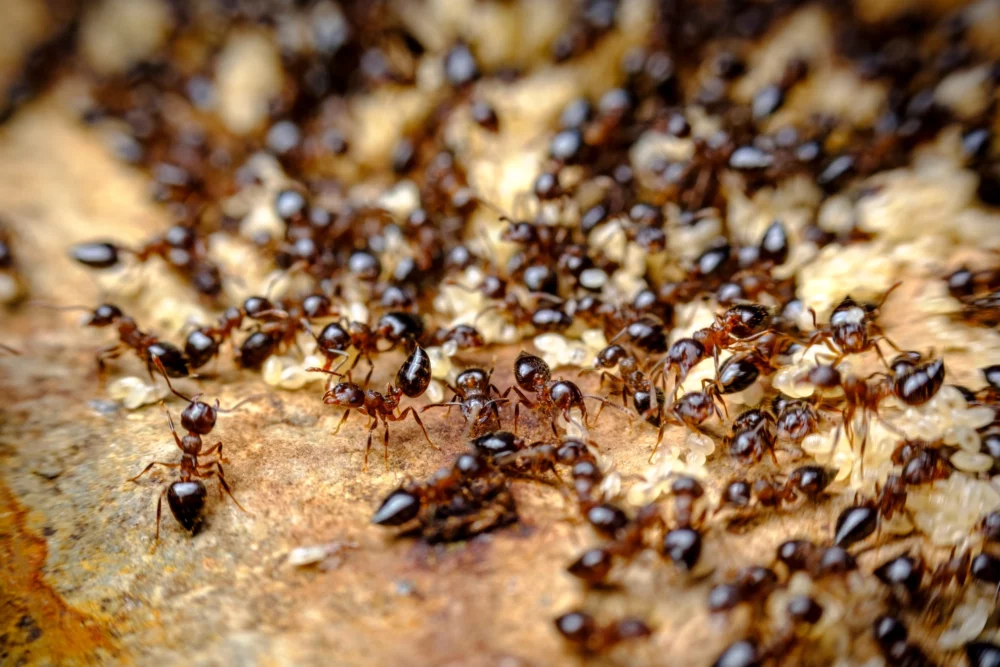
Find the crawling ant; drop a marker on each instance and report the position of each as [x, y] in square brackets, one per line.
[809, 481]
[412, 380]
[690, 410]
[146, 346]
[533, 375]
[905, 573]
[203, 343]
[186, 496]
[915, 381]
[795, 418]
[752, 434]
[464, 337]
[336, 338]
[805, 556]
[180, 247]
[629, 537]
[278, 326]
[473, 391]
[458, 502]
[582, 630]
[752, 585]
[852, 329]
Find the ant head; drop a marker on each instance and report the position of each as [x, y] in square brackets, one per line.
[104, 315]
[316, 305]
[191, 443]
[531, 372]
[255, 305]
[472, 380]
[199, 417]
[347, 395]
[685, 485]
[469, 466]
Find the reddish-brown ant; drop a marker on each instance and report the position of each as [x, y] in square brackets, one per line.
[147, 347]
[473, 391]
[852, 328]
[533, 375]
[458, 502]
[412, 380]
[186, 496]
[180, 247]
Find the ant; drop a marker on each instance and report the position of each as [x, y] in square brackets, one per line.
[916, 381]
[457, 502]
[336, 338]
[752, 434]
[628, 539]
[412, 380]
[278, 326]
[533, 375]
[583, 631]
[744, 322]
[464, 337]
[180, 247]
[795, 418]
[852, 329]
[805, 556]
[186, 496]
[751, 585]
[808, 480]
[691, 410]
[905, 573]
[147, 347]
[473, 395]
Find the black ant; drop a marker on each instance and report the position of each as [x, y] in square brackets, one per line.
[629, 538]
[809, 481]
[583, 631]
[691, 410]
[278, 326]
[533, 375]
[180, 247]
[186, 496]
[412, 380]
[752, 434]
[795, 419]
[473, 391]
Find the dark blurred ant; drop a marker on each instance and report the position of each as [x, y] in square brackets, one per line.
[916, 381]
[203, 343]
[752, 585]
[630, 537]
[818, 562]
[580, 629]
[459, 501]
[464, 337]
[852, 329]
[147, 347]
[412, 380]
[473, 391]
[180, 247]
[533, 375]
[809, 481]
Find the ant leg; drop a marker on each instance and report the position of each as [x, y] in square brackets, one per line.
[211, 450]
[385, 441]
[225, 487]
[416, 417]
[170, 421]
[603, 402]
[347, 413]
[449, 405]
[154, 463]
[371, 430]
[371, 368]
[159, 513]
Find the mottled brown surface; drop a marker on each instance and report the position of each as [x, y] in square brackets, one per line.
[79, 584]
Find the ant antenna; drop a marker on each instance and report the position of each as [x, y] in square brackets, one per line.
[9, 350]
[163, 372]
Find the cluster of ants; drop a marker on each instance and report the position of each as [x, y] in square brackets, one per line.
[555, 279]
